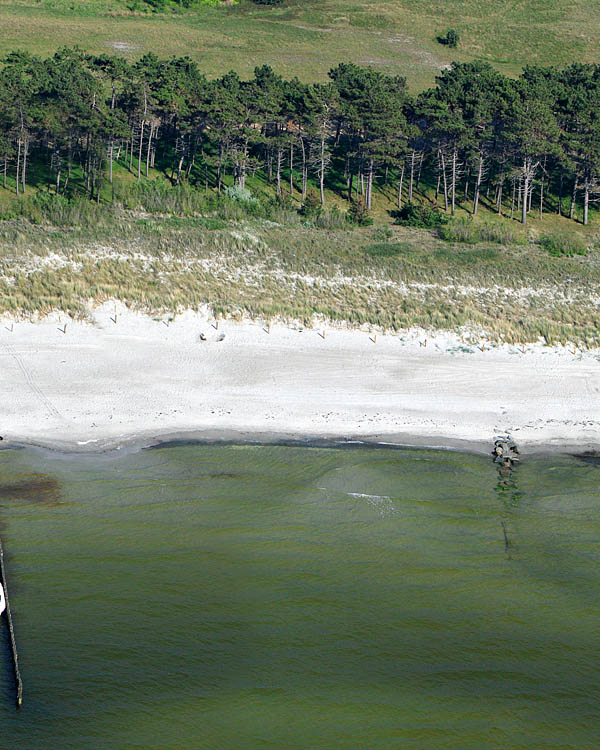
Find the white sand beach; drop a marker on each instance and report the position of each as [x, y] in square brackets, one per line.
[106, 384]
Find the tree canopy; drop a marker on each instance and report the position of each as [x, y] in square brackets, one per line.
[475, 133]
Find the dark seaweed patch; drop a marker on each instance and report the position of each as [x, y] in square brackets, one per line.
[31, 488]
[590, 457]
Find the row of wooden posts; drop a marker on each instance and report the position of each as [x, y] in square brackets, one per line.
[11, 630]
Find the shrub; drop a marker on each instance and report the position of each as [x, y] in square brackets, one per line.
[467, 257]
[388, 249]
[459, 230]
[332, 219]
[239, 194]
[464, 229]
[451, 38]
[61, 211]
[423, 216]
[563, 243]
[311, 208]
[358, 214]
[503, 234]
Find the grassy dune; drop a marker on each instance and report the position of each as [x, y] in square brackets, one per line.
[375, 277]
[308, 37]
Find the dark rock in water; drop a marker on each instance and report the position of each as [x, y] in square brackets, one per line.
[506, 452]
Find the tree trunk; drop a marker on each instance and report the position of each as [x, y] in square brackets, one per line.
[304, 169]
[322, 172]
[291, 168]
[542, 189]
[411, 177]
[499, 197]
[69, 164]
[512, 203]
[139, 176]
[400, 187]
[524, 202]
[477, 185]
[278, 173]
[369, 184]
[243, 166]
[419, 172]
[445, 181]
[24, 168]
[453, 185]
[18, 175]
[149, 147]
[560, 195]
[586, 201]
[573, 199]
[220, 168]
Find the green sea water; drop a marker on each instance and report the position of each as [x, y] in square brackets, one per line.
[241, 597]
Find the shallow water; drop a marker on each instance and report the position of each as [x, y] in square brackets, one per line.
[255, 597]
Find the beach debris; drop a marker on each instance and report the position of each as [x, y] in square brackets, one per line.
[202, 337]
[506, 451]
[220, 337]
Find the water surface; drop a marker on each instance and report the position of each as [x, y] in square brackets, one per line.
[247, 597]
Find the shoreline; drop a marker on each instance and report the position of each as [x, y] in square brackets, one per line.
[135, 443]
[125, 381]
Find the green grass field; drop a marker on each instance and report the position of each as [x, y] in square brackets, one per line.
[308, 37]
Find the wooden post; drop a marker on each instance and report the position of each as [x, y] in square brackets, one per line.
[11, 629]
